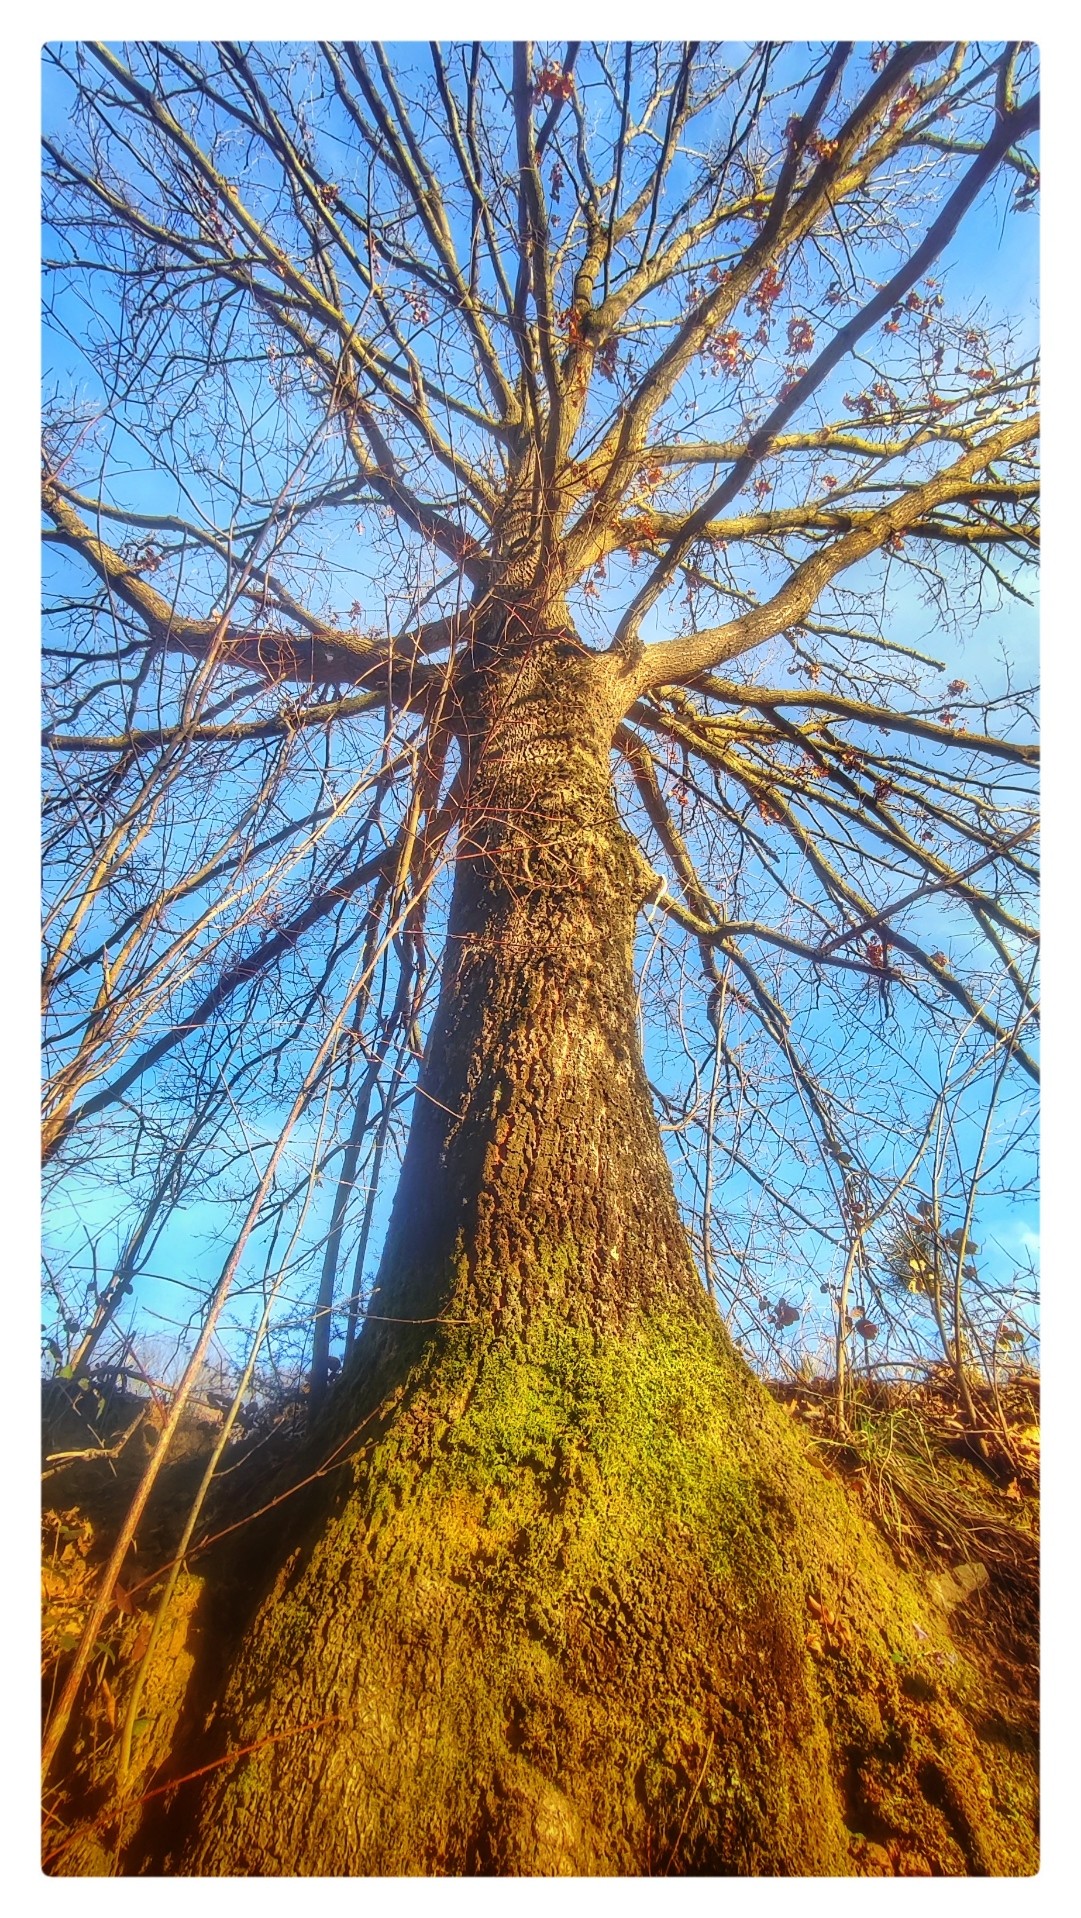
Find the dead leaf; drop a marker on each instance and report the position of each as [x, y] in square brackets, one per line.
[950, 1589]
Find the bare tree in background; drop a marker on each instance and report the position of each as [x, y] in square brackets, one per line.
[477, 562]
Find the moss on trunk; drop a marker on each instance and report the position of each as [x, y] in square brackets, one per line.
[586, 1606]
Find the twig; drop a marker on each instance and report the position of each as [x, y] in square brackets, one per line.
[689, 1804]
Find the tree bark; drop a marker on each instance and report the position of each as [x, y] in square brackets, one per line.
[534, 1177]
[560, 1609]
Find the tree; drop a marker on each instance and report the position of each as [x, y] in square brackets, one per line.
[639, 367]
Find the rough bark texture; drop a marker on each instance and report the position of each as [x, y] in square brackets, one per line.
[561, 1612]
[534, 1177]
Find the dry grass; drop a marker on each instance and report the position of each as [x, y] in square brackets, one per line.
[958, 1507]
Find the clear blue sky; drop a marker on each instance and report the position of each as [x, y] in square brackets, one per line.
[981, 265]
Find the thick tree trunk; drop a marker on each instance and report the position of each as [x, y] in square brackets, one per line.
[560, 1612]
[534, 1178]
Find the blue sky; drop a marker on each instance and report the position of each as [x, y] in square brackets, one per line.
[981, 266]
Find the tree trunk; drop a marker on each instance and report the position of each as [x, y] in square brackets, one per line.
[561, 1609]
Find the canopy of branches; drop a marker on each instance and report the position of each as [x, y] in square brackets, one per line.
[361, 352]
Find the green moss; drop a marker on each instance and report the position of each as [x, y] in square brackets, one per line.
[630, 1438]
[571, 1619]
